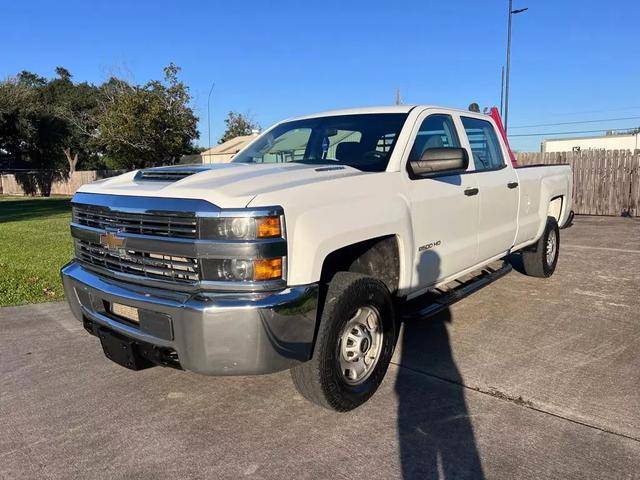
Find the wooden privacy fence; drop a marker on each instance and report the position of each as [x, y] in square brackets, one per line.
[605, 182]
[47, 182]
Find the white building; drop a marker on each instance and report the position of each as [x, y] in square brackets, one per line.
[627, 141]
[222, 153]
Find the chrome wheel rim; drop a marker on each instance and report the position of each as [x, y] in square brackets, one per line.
[552, 246]
[360, 344]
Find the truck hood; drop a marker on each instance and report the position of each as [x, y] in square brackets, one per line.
[227, 185]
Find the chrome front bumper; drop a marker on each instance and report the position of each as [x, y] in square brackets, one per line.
[212, 333]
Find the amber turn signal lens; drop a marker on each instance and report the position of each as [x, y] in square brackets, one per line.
[267, 269]
[268, 227]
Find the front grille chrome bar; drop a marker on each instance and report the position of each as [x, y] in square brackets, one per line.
[142, 224]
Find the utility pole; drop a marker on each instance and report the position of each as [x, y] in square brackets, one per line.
[502, 94]
[506, 85]
[398, 99]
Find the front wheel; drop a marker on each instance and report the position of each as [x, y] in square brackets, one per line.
[541, 258]
[354, 345]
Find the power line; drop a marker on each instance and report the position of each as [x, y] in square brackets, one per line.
[571, 133]
[577, 122]
[593, 111]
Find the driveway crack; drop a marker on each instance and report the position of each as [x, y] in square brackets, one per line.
[519, 401]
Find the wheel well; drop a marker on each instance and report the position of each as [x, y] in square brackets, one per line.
[555, 208]
[377, 257]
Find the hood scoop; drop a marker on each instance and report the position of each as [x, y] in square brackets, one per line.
[329, 168]
[170, 174]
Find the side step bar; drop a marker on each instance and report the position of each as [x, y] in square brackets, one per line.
[434, 301]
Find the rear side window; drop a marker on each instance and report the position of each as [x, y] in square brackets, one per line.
[436, 131]
[485, 147]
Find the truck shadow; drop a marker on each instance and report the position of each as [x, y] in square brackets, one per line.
[436, 438]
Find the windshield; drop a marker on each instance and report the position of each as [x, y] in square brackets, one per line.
[362, 141]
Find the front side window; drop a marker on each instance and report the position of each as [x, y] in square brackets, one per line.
[362, 141]
[436, 131]
[487, 154]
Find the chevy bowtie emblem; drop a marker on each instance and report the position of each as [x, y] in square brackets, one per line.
[111, 241]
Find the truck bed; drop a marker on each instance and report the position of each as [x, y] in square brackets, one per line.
[543, 191]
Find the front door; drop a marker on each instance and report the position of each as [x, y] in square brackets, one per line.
[444, 208]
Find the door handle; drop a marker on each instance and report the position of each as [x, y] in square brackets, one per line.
[512, 184]
[471, 191]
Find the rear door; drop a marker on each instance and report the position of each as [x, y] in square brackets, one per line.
[498, 186]
[444, 217]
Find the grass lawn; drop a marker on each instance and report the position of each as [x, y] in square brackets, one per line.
[34, 243]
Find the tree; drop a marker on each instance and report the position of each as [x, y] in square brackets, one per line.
[43, 122]
[58, 125]
[75, 105]
[15, 126]
[30, 132]
[141, 126]
[238, 124]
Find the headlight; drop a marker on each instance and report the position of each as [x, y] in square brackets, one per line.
[243, 270]
[241, 228]
[255, 244]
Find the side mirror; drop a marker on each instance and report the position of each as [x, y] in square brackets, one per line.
[438, 160]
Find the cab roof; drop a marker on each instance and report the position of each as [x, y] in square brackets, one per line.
[375, 109]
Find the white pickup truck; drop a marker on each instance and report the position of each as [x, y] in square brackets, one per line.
[297, 254]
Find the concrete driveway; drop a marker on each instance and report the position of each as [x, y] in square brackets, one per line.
[527, 378]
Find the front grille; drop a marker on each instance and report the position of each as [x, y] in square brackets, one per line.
[145, 224]
[154, 266]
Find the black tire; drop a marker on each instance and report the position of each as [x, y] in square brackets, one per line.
[321, 379]
[534, 258]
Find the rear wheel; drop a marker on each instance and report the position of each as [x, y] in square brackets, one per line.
[541, 259]
[355, 342]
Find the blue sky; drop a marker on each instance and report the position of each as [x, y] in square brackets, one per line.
[571, 60]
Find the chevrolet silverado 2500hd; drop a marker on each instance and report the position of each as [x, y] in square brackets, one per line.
[294, 255]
